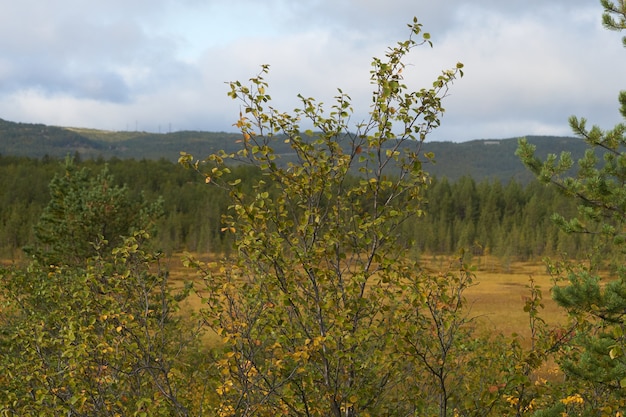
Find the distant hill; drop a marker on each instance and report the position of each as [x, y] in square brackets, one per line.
[495, 159]
[480, 159]
[37, 140]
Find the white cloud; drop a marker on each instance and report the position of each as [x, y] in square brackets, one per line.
[113, 64]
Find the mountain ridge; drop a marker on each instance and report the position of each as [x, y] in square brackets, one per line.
[480, 158]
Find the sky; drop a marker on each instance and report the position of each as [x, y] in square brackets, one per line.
[164, 65]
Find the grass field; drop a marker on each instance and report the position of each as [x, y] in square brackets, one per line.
[499, 298]
[496, 300]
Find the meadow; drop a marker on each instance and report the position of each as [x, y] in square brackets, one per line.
[500, 294]
[496, 299]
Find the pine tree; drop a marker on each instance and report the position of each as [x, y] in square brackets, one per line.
[91, 213]
[92, 326]
[596, 359]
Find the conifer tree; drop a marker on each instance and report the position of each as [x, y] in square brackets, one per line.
[92, 326]
[596, 358]
[87, 215]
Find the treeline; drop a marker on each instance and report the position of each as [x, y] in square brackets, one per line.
[191, 209]
[510, 221]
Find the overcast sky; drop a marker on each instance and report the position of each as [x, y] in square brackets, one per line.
[157, 65]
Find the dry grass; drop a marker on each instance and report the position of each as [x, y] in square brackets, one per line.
[500, 293]
[179, 274]
[497, 299]
[500, 297]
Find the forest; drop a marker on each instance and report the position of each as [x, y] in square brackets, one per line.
[304, 288]
[485, 217]
[479, 159]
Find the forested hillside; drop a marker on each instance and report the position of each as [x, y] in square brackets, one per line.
[482, 197]
[479, 159]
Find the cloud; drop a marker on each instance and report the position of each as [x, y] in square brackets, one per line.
[75, 51]
[525, 74]
[148, 63]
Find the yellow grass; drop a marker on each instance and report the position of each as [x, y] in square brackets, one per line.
[500, 297]
[497, 299]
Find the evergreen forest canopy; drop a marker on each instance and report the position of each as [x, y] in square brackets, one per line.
[508, 220]
[318, 304]
[480, 159]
